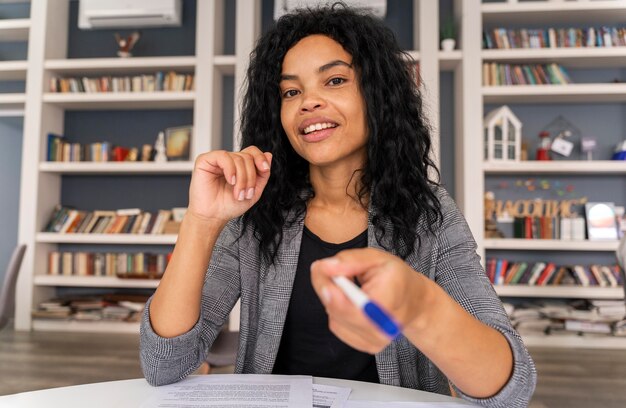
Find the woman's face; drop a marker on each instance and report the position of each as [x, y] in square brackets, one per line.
[322, 109]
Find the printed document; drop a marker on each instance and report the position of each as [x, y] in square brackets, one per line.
[235, 390]
[328, 396]
[404, 404]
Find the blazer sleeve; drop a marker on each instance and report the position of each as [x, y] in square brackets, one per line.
[167, 360]
[459, 272]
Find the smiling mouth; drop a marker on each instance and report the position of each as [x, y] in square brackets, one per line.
[318, 126]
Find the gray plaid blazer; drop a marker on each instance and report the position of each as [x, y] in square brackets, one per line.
[237, 272]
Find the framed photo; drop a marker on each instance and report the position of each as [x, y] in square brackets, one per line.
[177, 142]
[601, 222]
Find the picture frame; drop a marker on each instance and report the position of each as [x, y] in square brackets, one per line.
[178, 142]
[601, 221]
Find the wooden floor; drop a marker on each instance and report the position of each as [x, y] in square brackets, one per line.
[571, 378]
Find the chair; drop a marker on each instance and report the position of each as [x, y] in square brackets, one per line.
[223, 352]
[7, 291]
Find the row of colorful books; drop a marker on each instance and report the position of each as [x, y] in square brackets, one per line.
[505, 272]
[564, 228]
[590, 37]
[115, 307]
[61, 150]
[122, 221]
[160, 81]
[122, 264]
[495, 74]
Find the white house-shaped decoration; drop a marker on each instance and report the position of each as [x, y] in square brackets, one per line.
[503, 135]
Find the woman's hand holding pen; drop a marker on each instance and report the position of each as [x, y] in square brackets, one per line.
[385, 278]
[224, 185]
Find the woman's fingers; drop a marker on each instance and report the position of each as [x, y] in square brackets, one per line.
[251, 164]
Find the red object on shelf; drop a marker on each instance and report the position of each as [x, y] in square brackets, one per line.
[120, 153]
[543, 151]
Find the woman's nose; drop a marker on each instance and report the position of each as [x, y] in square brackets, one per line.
[311, 102]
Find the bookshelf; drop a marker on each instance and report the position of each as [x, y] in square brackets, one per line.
[219, 69]
[48, 112]
[219, 72]
[534, 15]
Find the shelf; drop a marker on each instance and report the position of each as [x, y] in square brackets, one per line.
[552, 291]
[121, 239]
[133, 65]
[13, 70]
[91, 327]
[176, 167]
[574, 341]
[15, 29]
[549, 245]
[450, 60]
[571, 93]
[11, 113]
[12, 101]
[122, 100]
[94, 281]
[579, 167]
[570, 57]
[225, 64]
[554, 12]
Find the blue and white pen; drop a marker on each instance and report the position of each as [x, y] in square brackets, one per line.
[371, 309]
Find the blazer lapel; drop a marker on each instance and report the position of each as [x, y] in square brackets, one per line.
[274, 294]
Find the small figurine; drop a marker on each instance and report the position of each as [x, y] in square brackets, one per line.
[588, 145]
[491, 227]
[126, 44]
[159, 147]
[543, 151]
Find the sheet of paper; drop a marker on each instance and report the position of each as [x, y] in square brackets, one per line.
[236, 390]
[403, 404]
[328, 396]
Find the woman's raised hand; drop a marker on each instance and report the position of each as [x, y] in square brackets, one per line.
[224, 185]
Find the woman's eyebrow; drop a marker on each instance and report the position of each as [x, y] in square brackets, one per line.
[332, 64]
[325, 67]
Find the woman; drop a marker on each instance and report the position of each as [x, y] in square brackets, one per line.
[333, 179]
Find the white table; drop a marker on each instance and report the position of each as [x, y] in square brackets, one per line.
[131, 393]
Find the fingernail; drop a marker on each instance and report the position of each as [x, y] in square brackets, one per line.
[250, 193]
[325, 295]
[233, 180]
[265, 166]
[241, 196]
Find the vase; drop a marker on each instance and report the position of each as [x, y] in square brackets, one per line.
[448, 44]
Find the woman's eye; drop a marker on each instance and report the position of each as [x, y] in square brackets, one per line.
[290, 93]
[336, 81]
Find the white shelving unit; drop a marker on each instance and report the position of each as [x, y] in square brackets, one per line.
[570, 93]
[125, 239]
[549, 245]
[210, 64]
[15, 29]
[12, 101]
[566, 292]
[181, 167]
[94, 282]
[546, 14]
[12, 70]
[41, 186]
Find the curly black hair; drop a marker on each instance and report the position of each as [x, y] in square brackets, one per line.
[396, 175]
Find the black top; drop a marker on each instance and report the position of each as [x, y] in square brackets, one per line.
[307, 346]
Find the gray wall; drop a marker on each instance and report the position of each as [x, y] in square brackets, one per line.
[11, 130]
[10, 162]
